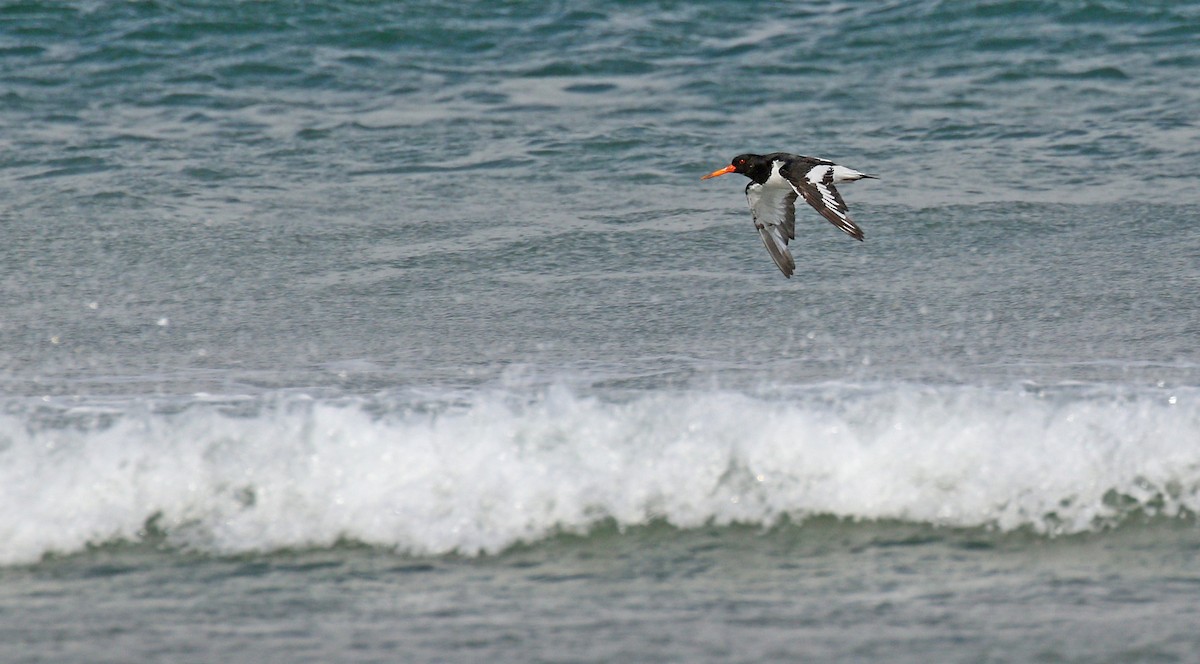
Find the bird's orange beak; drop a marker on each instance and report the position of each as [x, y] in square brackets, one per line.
[720, 171]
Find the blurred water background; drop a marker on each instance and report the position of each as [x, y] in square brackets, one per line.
[343, 331]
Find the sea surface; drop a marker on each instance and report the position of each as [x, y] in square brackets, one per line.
[407, 332]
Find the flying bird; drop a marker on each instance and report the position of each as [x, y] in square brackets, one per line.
[776, 180]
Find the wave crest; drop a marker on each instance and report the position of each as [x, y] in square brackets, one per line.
[479, 473]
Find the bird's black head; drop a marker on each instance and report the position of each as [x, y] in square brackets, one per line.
[752, 166]
[743, 162]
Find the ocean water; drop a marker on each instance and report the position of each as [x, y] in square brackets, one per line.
[377, 332]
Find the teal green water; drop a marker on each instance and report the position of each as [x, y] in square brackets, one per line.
[417, 321]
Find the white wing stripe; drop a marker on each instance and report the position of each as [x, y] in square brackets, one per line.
[818, 173]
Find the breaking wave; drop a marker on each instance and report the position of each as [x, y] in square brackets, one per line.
[478, 472]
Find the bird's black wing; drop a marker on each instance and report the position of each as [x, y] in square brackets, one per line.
[816, 186]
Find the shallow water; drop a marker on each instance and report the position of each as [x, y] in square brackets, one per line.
[418, 321]
[823, 590]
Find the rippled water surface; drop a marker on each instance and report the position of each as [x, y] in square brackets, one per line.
[416, 320]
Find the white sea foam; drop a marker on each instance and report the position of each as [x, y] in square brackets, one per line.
[497, 468]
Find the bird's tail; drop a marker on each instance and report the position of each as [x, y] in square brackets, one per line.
[843, 174]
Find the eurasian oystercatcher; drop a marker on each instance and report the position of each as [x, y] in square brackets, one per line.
[776, 180]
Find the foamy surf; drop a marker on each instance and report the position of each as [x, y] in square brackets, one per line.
[480, 472]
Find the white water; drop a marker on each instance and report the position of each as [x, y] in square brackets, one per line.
[480, 472]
